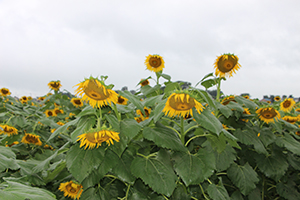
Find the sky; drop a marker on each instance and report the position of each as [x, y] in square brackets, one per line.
[69, 40]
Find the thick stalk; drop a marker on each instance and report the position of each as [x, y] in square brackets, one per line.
[218, 90]
[182, 137]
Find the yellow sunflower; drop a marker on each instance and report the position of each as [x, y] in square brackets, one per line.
[122, 100]
[155, 63]
[226, 100]
[50, 113]
[287, 105]
[4, 92]
[96, 93]
[297, 109]
[181, 104]
[290, 119]
[54, 85]
[58, 111]
[144, 82]
[277, 98]
[60, 123]
[71, 189]
[29, 138]
[298, 132]
[94, 137]
[23, 99]
[268, 114]
[226, 65]
[41, 98]
[147, 113]
[8, 130]
[139, 119]
[77, 102]
[12, 144]
[246, 96]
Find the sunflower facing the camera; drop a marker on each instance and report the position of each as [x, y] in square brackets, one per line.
[226, 65]
[155, 63]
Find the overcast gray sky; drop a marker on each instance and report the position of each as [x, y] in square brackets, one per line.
[68, 40]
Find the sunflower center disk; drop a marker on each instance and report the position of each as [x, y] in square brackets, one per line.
[268, 114]
[226, 65]
[31, 139]
[94, 92]
[287, 104]
[78, 102]
[55, 85]
[178, 104]
[71, 189]
[155, 62]
[8, 130]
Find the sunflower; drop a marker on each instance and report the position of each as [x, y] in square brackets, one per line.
[144, 82]
[246, 96]
[60, 123]
[50, 113]
[71, 189]
[46, 146]
[139, 119]
[94, 137]
[58, 111]
[12, 144]
[291, 119]
[77, 102]
[147, 113]
[29, 138]
[225, 127]
[268, 114]
[96, 93]
[8, 130]
[122, 100]
[287, 105]
[277, 98]
[181, 104]
[226, 65]
[4, 92]
[298, 132]
[23, 99]
[226, 100]
[41, 98]
[297, 109]
[54, 85]
[154, 63]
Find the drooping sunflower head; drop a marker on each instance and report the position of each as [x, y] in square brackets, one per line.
[8, 130]
[146, 115]
[95, 93]
[287, 105]
[29, 138]
[181, 104]
[226, 65]
[12, 144]
[71, 189]
[268, 114]
[54, 85]
[50, 113]
[246, 96]
[277, 98]
[4, 92]
[155, 63]
[77, 102]
[226, 100]
[144, 82]
[58, 111]
[290, 119]
[122, 100]
[94, 137]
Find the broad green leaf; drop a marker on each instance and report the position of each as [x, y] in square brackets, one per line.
[209, 83]
[217, 142]
[194, 168]
[114, 122]
[7, 159]
[294, 160]
[267, 137]
[95, 194]
[81, 162]
[171, 87]
[225, 158]
[130, 128]
[17, 191]
[288, 191]
[255, 194]
[218, 192]
[89, 110]
[236, 195]
[227, 112]
[246, 102]
[206, 97]
[134, 100]
[158, 110]
[289, 142]
[208, 121]
[63, 128]
[235, 106]
[180, 193]
[151, 101]
[289, 125]
[150, 91]
[84, 124]
[52, 174]
[205, 77]
[244, 177]
[166, 76]
[119, 147]
[249, 137]
[164, 137]
[157, 172]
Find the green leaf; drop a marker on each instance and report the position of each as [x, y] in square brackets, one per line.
[218, 192]
[171, 87]
[205, 77]
[208, 121]
[289, 125]
[18, 191]
[166, 76]
[288, 191]
[63, 128]
[114, 122]
[209, 83]
[164, 137]
[255, 194]
[244, 177]
[149, 91]
[119, 147]
[52, 174]
[294, 160]
[158, 110]
[194, 168]
[206, 97]
[151, 101]
[81, 162]
[130, 128]
[236, 195]
[227, 112]
[180, 193]
[89, 110]
[225, 158]
[267, 137]
[133, 99]
[217, 142]
[8, 159]
[289, 142]
[246, 102]
[157, 172]
[84, 124]
[235, 106]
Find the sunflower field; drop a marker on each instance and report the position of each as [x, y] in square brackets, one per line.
[163, 142]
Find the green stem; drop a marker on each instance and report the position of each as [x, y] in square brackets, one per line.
[174, 130]
[194, 138]
[99, 118]
[126, 196]
[263, 189]
[203, 192]
[182, 137]
[171, 121]
[218, 89]
[114, 107]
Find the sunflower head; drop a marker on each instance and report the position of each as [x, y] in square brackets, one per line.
[155, 63]
[12, 144]
[122, 100]
[71, 189]
[246, 96]
[94, 137]
[8, 130]
[29, 138]
[60, 123]
[181, 104]
[146, 115]
[277, 98]
[226, 100]
[24, 99]
[144, 82]
[287, 104]
[96, 93]
[290, 119]
[54, 85]
[4, 92]
[226, 65]
[50, 113]
[58, 111]
[77, 102]
[268, 114]
[41, 98]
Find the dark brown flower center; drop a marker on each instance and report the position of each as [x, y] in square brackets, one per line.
[8, 129]
[4, 91]
[178, 104]
[50, 113]
[31, 139]
[287, 103]
[77, 102]
[155, 62]
[268, 113]
[95, 92]
[55, 85]
[72, 188]
[120, 100]
[226, 65]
